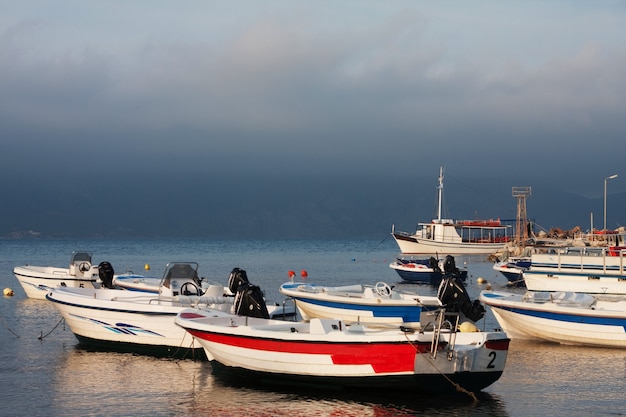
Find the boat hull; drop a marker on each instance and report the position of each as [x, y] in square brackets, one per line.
[130, 321]
[420, 273]
[38, 280]
[315, 301]
[603, 325]
[330, 352]
[585, 272]
[414, 245]
[513, 270]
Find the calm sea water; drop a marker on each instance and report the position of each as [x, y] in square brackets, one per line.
[44, 373]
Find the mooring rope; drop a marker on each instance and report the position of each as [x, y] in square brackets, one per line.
[456, 385]
[8, 328]
[41, 336]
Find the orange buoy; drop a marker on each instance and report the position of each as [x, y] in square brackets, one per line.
[304, 274]
[291, 274]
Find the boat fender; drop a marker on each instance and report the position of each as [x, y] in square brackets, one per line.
[468, 327]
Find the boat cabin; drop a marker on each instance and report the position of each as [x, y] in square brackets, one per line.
[81, 266]
[181, 278]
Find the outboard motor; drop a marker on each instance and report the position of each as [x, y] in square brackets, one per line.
[434, 264]
[106, 272]
[249, 301]
[453, 296]
[449, 266]
[237, 278]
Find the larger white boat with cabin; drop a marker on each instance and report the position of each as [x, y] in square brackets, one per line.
[446, 236]
[590, 270]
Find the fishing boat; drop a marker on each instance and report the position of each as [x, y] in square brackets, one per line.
[593, 270]
[513, 269]
[330, 353]
[427, 271]
[37, 280]
[380, 303]
[144, 322]
[561, 317]
[453, 237]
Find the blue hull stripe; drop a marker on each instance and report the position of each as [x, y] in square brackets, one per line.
[568, 318]
[408, 313]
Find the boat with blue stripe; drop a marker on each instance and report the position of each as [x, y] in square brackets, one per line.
[561, 317]
[380, 303]
[599, 270]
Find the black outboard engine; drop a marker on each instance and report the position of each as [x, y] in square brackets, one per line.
[106, 272]
[453, 296]
[237, 278]
[434, 264]
[249, 301]
[449, 266]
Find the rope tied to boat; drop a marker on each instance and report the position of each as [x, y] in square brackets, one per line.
[41, 335]
[8, 328]
[456, 385]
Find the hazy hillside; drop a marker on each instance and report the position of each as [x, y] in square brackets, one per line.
[272, 207]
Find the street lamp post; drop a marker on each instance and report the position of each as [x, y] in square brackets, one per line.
[605, 181]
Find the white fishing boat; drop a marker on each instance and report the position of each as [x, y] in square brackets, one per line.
[144, 322]
[590, 270]
[359, 303]
[561, 317]
[328, 353]
[380, 303]
[37, 280]
[453, 237]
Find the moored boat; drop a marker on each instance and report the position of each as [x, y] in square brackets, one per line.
[381, 303]
[37, 280]
[513, 269]
[327, 353]
[561, 317]
[453, 237]
[590, 270]
[144, 322]
[427, 271]
[378, 303]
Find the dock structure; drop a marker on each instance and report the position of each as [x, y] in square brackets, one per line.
[521, 220]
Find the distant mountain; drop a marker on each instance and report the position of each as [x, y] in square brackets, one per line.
[268, 207]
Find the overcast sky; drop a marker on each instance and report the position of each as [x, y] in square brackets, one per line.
[523, 89]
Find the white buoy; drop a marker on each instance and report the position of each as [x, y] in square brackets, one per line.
[8, 292]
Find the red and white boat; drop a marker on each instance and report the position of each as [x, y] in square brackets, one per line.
[453, 237]
[331, 353]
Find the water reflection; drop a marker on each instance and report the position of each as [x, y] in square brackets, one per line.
[564, 380]
[89, 383]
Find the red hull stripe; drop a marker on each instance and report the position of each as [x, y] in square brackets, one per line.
[383, 357]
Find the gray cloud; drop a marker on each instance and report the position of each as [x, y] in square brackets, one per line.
[525, 93]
